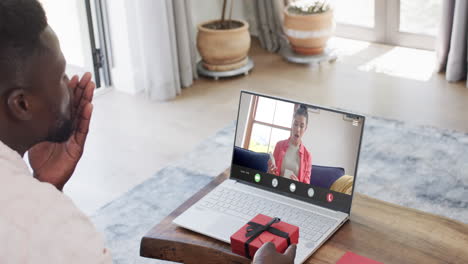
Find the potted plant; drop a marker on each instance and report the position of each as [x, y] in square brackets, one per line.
[224, 43]
[308, 25]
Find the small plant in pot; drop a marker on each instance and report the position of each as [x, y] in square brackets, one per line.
[224, 43]
[308, 24]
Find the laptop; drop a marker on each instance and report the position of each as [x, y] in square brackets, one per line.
[291, 160]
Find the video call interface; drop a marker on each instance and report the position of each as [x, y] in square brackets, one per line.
[297, 149]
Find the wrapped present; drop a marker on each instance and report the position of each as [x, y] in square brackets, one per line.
[260, 230]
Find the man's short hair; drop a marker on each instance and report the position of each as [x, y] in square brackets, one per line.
[21, 24]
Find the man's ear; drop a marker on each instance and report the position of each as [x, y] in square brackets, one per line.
[19, 105]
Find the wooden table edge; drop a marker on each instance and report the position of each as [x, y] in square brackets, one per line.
[167, 244]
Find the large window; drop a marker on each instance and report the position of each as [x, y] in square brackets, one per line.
[270, 121]
[420, 16]
[411, 23]
[362, 12]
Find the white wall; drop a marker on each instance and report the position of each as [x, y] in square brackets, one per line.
[244, 111]
[332, 141]
[211, 9]
[68, 20]
[124, 72]
[206, 10]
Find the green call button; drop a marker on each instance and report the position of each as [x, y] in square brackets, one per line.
[257, 177]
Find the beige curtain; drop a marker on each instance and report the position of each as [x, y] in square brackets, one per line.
[452, 41]
[185, 40]
[166, 55]
[269, 17]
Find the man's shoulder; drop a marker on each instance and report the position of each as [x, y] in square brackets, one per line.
[26, 201]
[47, 225]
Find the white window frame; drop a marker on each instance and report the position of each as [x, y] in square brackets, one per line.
[386, 28]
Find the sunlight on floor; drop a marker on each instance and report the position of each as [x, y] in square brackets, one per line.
[402, 62]
[414, 64]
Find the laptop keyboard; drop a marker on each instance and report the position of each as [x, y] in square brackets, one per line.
[240, 204]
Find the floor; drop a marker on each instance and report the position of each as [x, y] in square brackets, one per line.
[131, 137]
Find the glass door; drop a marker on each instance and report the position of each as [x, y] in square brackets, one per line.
[414, 23]
[359, 19]
[75, 23]
[411, 23]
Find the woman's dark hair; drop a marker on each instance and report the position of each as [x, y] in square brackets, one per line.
[302, 110]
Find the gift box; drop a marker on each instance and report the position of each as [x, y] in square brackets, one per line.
[260, 230]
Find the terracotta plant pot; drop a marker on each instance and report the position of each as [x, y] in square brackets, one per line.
[223, 49]
[308, 34]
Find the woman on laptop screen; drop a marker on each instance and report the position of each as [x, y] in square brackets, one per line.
[290, 158]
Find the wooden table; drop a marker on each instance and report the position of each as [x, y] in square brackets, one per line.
[382, 231]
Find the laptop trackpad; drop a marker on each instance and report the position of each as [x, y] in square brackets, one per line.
[226, 226]
[210, 223]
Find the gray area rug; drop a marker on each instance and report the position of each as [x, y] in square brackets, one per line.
[415, 166]
[127, 219]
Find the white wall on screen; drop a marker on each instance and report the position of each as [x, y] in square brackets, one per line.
[332, 141]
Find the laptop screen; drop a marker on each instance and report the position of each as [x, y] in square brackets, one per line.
[299, 150]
